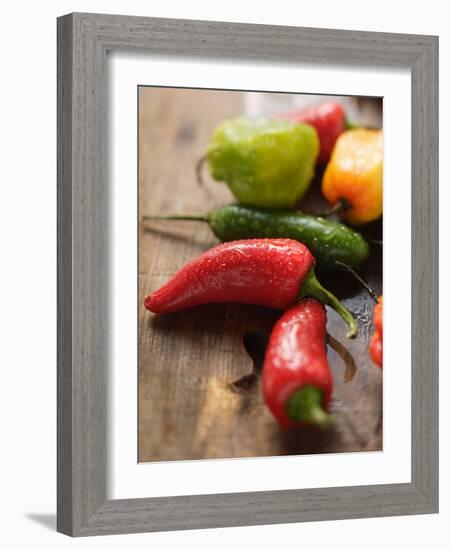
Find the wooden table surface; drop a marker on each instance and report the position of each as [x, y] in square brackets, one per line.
[190, 406]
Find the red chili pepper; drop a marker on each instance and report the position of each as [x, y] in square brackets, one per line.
[267, 272]
[376, 342]
[297, 381]
[329, 121]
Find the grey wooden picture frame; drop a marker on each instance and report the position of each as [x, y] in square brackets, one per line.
[83, 42]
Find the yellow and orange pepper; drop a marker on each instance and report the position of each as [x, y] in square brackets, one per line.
[354, 175]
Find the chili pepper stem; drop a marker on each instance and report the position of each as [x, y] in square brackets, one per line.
[345, 355]
[196, 218]
[358, 277]
[305, 405]
[340, 207]
[352, 125]
[312, 288]
[199, 169]
[377, 242]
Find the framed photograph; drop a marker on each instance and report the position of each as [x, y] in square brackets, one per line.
[247, 274]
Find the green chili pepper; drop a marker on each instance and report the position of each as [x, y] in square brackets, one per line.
[331, 243]
[268, 163]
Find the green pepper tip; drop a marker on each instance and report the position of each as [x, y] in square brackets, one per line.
[305, 405]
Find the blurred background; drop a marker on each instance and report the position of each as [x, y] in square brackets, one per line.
[366, 110]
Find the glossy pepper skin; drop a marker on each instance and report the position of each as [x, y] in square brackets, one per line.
[376, 342]
[329, 121]
[266, 272]
[296, 358]
[257, 271]
[355, 175]
[268, 163]
[330, 242]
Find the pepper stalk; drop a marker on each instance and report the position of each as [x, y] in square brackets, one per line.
[312, 288]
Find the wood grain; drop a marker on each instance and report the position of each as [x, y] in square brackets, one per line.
[188, 361]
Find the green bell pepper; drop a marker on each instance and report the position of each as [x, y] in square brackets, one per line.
[267, 163]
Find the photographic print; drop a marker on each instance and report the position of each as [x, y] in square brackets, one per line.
[260, 274]
[249, 196]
